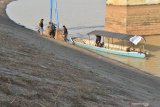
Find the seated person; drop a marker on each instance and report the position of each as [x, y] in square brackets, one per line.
[102, 44]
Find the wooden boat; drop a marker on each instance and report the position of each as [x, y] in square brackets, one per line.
[110, 47]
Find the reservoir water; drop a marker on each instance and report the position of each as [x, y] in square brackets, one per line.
[81, 16]
[78, 15]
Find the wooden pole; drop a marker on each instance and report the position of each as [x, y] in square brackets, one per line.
[108, 43]
[103, 41]
[89, 39]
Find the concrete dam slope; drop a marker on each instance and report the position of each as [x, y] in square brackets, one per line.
[139, 17]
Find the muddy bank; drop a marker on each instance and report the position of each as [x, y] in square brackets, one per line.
[39, 72]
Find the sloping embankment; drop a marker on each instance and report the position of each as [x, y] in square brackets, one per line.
[37, 72]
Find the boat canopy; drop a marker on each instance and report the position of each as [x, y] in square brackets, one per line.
[111, 34]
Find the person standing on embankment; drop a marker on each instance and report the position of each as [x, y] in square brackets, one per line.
[40, 27]
[51, 30]
[65, 33]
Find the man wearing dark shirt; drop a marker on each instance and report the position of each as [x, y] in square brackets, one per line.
[65, 33]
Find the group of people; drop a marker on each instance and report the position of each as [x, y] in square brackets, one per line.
[51, 28]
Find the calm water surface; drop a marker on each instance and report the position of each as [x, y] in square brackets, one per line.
[81, 16]
[78, 15]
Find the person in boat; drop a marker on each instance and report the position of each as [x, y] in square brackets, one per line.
[65, 33]
[40, 26]
[129, 49]
[98, 40]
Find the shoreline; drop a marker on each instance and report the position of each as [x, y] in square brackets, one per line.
[34, 64]
[128, 60]
[115, 61]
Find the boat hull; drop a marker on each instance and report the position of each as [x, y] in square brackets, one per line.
[117, 52]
